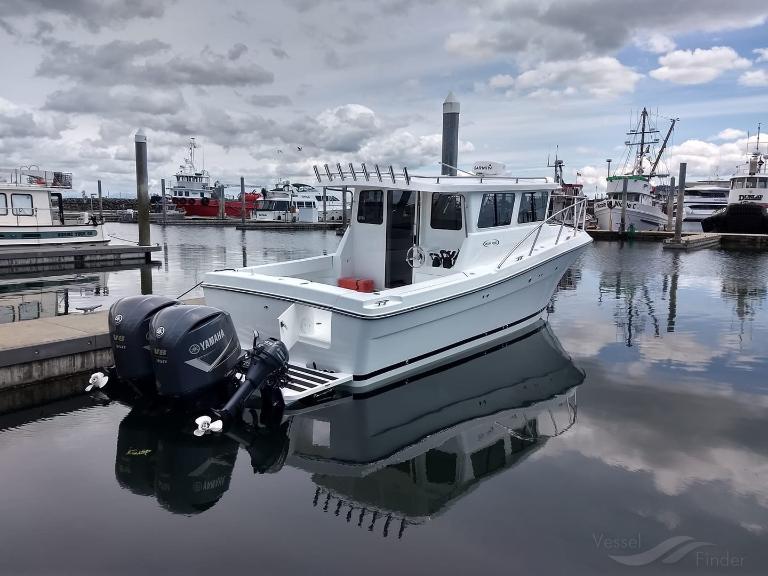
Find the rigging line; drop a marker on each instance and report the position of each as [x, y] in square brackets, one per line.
[201, 281]
[123, 239]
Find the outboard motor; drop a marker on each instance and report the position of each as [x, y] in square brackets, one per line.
[129, 320]
[268, 360]
[194, 350]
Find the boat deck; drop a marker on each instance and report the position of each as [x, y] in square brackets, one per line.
[303, 382]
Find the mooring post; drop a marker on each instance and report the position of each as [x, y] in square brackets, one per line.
[101, 205]
[242, 198]
[162, 199]
[142, 190]
[623, 225]
[451, 108]
[670, 203]
[680, 199]
[222, 202]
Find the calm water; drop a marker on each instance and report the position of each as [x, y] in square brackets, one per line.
[628, 429]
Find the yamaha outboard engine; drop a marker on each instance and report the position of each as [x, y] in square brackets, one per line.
[129, 320]
[268, 361]
[195, 350]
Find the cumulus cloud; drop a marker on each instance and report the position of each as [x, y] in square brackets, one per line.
[17, 122]
[698, 66]
[560, 29]
[707, 159]
[655, 42]
[603, 77]
[731, 134]
[762, 54]
[754, 78]
[146, 63]
[117, 101]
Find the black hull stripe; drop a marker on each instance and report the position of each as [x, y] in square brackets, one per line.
[361, 377]
[447, 365]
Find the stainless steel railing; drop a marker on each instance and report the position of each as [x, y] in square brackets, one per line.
[578, 217]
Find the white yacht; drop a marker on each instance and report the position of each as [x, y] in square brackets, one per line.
[643, 210]
[294, 202]
[32, 211]
[702, 199]
[430, 268]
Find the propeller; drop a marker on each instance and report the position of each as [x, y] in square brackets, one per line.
[206, 424]
[97, 380]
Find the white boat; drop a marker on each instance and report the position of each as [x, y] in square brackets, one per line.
[747, 208]
[28, 215]
[429, 269]
[630, 196]
[293, 202]
[702, 199]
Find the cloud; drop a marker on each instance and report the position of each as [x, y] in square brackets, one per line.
[269, 100]
[565, 29]
[593, 179]
[698, 66]
[754, 78]
[236, 51]
[655, 42]
[762, 54]
[731, 134]
[93, 14]
[706, 159]
[603, 77]
[118, 101]
[18, 123]
[146, 63]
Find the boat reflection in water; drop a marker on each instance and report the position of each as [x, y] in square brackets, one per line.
[385, 461]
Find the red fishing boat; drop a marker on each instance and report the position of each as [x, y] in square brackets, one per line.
[193, 194]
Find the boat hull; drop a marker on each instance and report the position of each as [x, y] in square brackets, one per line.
[381, 349]
[193, 207]
[51, 235]
[642, 218]
[744, 218]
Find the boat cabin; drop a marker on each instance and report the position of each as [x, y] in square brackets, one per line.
[27, 198]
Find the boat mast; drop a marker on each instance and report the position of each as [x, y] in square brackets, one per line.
[663, 146]
[641, 152]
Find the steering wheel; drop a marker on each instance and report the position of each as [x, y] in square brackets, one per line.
[415, 257]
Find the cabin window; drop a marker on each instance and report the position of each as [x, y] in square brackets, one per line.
[533, 206]
[762, 183]
[446, 212]
[370, 209]
[633, 197]
[751, 182]
[496, 210]
[3, 205]
[186, 192]
[22, 204]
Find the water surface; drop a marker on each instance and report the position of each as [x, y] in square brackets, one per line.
[635, 416]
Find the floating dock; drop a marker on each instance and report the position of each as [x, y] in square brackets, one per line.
[49, 358]
[689, 240]
[47, 258]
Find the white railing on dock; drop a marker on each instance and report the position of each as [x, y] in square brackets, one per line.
[345, 175]
[576, 213]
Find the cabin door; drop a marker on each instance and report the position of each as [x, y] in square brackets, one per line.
[401, 215]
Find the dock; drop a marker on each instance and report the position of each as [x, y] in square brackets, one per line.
[50, 358]
[689, 240]
[21, 258]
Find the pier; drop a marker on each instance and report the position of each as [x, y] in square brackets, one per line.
[689, 240]
[23, 258]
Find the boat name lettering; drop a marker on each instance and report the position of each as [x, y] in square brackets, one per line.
[493, 242]
[743, 197]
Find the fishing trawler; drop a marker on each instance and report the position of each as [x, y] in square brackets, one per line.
[32, 211]
[630, 198]
[747, 209]
[193, 194]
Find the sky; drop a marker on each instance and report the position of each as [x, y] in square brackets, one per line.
[270, 88]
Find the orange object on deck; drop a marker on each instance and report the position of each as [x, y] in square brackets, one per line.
[357, 284]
